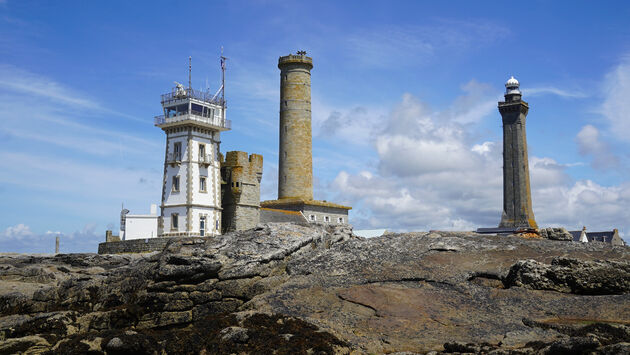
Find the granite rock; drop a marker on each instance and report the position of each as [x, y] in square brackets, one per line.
[319, 289]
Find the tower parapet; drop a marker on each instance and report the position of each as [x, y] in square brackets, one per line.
[240, 190]
[517, 199]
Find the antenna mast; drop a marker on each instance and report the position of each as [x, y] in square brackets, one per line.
[190, 72]
[223, 59]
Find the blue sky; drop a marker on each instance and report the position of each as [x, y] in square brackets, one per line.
[405, 123]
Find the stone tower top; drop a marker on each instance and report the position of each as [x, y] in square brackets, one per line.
[299, 58]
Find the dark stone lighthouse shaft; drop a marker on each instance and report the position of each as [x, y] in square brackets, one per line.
[517, 199]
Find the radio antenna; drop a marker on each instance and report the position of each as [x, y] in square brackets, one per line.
[190, 72]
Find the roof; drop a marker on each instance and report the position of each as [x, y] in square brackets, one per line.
[606, 237]
[278, 204]
[268, 215]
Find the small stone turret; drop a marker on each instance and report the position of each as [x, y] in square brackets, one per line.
[240, 190]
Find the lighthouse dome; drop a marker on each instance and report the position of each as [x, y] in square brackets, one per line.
[512, 86]
[512, 82]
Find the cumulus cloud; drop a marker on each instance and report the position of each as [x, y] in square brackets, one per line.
[616, 106]
[21, 239]
[18, 231]
[590, 144]
[432, 174]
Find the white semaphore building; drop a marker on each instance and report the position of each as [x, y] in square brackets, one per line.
[191, 189]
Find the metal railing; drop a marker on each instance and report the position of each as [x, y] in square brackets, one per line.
[205, 159]
[194, 116]
[193, 94]
[174, 157]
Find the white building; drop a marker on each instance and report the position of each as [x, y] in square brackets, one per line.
[139, 226]
[191, 190]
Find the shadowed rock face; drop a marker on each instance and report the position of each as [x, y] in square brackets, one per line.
[318, 289]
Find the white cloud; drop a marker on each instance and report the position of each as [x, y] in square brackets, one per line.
[590, 144]
[543, 90]
[386, 46]
[18, 231]
[24, 82]
[20, 239]
[432, 175]
[17, 82]
[616, 106]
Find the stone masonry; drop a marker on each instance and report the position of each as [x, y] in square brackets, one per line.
[517, 199]
[240, 192]
[295, 162]
[295, 174]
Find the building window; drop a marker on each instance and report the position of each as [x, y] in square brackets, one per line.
[340, 219]
[202, 225]
[174, 221]
[175, 187]
[327, 219]
[202, 184]
[177, 151]
[202, 152]
[285, 155]
[312, 217]
[285, 178]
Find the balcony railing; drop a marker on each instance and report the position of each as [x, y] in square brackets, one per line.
[216, 121]
[193, 94]
[205, 159]
[174, 157]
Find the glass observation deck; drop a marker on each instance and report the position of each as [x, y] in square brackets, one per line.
[187, 106]
[179, 94]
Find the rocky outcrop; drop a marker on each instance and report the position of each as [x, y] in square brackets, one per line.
[570, 275]
[319, 289]
[556, 234]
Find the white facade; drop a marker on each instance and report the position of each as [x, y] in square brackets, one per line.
[140, 226]
[191, 192]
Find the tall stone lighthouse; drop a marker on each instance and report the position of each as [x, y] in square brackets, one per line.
[191, 189]
[295, 161]
[517, 198]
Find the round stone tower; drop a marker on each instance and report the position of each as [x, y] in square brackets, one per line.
[295, 172]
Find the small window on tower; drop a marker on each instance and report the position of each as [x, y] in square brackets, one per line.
[202, 184]
[202, 226]
[340, 220]
[177, 150]
[202, 152]
[285, 155]
[174, 221]
[312, 217]
[285, 178]
[175, 187]
[327, 219]
[286, 129]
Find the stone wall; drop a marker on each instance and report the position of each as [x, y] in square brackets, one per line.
[326, 215]
[241, 192]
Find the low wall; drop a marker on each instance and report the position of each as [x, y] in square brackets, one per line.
[143, 245]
